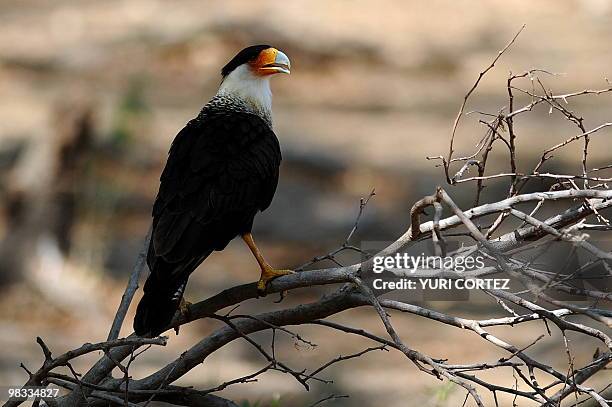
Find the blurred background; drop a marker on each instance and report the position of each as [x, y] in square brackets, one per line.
[93, 92]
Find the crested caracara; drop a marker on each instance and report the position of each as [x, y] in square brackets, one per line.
[222, 170]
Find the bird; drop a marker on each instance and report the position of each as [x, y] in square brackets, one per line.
[222, 170]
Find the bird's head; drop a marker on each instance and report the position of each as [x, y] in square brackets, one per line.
[259, 61]
[247, 75]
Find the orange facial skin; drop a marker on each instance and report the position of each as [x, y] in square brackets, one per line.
[264, 64]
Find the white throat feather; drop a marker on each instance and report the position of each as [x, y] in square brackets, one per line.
[253, 89]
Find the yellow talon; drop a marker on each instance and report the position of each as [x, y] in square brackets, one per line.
[184, 307]
[268, 274]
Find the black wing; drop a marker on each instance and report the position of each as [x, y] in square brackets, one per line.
[222, 169]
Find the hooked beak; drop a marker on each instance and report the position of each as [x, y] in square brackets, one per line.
[274, 61]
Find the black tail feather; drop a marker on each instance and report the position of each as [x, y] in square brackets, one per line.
[157, 306]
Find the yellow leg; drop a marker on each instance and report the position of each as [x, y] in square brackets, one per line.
[184, 310]
[184, 307]
[267, 272]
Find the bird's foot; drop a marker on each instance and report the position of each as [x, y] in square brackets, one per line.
[184, 307]
[268, 274]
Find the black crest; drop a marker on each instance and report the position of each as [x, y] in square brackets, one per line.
[246, 55]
